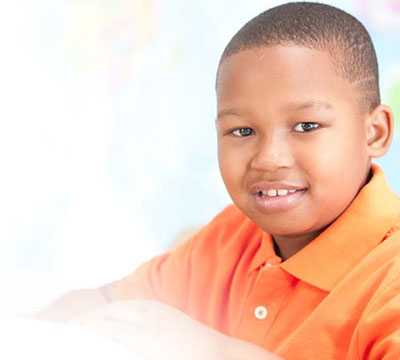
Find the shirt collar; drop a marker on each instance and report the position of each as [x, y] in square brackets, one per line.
[361, 227]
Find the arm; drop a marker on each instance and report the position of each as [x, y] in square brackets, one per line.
[155, 330]
[149, 328]
[74, 304]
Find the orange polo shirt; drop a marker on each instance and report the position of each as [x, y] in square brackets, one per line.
[337, 298]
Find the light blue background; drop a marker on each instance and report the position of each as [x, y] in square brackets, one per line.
[108, 146]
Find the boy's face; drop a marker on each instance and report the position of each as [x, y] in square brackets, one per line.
[287, 121]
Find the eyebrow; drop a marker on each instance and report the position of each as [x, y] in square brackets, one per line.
[227, 112]
[293, 106]
[303, 105]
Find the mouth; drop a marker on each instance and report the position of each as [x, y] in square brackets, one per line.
[277, 200]
[273, 193]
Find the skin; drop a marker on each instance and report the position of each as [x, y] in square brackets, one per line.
[139, 324]
[270, 93]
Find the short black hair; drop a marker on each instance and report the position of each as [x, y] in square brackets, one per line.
[321, 27]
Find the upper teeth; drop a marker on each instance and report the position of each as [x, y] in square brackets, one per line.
[277, 192]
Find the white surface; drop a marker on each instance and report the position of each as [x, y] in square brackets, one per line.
[31, 339]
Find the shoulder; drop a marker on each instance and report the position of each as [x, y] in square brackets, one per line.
[384, 262]
[229, 216]
[227, 226]
[388, 251]
[229, 238]
[378, 329]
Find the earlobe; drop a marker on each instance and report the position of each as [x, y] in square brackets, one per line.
[379, 130]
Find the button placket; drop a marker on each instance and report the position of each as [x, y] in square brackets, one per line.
[263, 304]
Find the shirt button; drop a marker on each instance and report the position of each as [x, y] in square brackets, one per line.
[267, 266]
[260, 312]
[272, 262]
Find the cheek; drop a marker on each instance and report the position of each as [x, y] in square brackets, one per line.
[233, 165]
[338, 153]
[335, 170]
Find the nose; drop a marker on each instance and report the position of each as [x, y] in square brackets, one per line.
[272, 153]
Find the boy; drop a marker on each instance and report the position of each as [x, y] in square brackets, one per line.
[306, 261]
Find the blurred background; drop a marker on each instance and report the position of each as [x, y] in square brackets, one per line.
[107, 141]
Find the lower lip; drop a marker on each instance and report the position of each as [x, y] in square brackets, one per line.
[268, 204]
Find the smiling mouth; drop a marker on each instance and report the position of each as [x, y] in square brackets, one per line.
[272, 193]
[277, 200]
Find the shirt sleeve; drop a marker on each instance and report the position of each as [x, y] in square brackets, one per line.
[164, 278]
[174, 276]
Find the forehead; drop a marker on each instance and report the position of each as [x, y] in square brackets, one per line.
[279, 76]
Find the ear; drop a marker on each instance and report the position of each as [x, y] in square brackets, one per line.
[379, 130]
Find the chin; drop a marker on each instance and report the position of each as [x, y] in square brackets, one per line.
[286, 229]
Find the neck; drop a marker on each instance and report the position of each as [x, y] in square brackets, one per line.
[287, 246]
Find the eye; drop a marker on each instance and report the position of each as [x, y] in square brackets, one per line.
[242, 132]
[306, 126]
